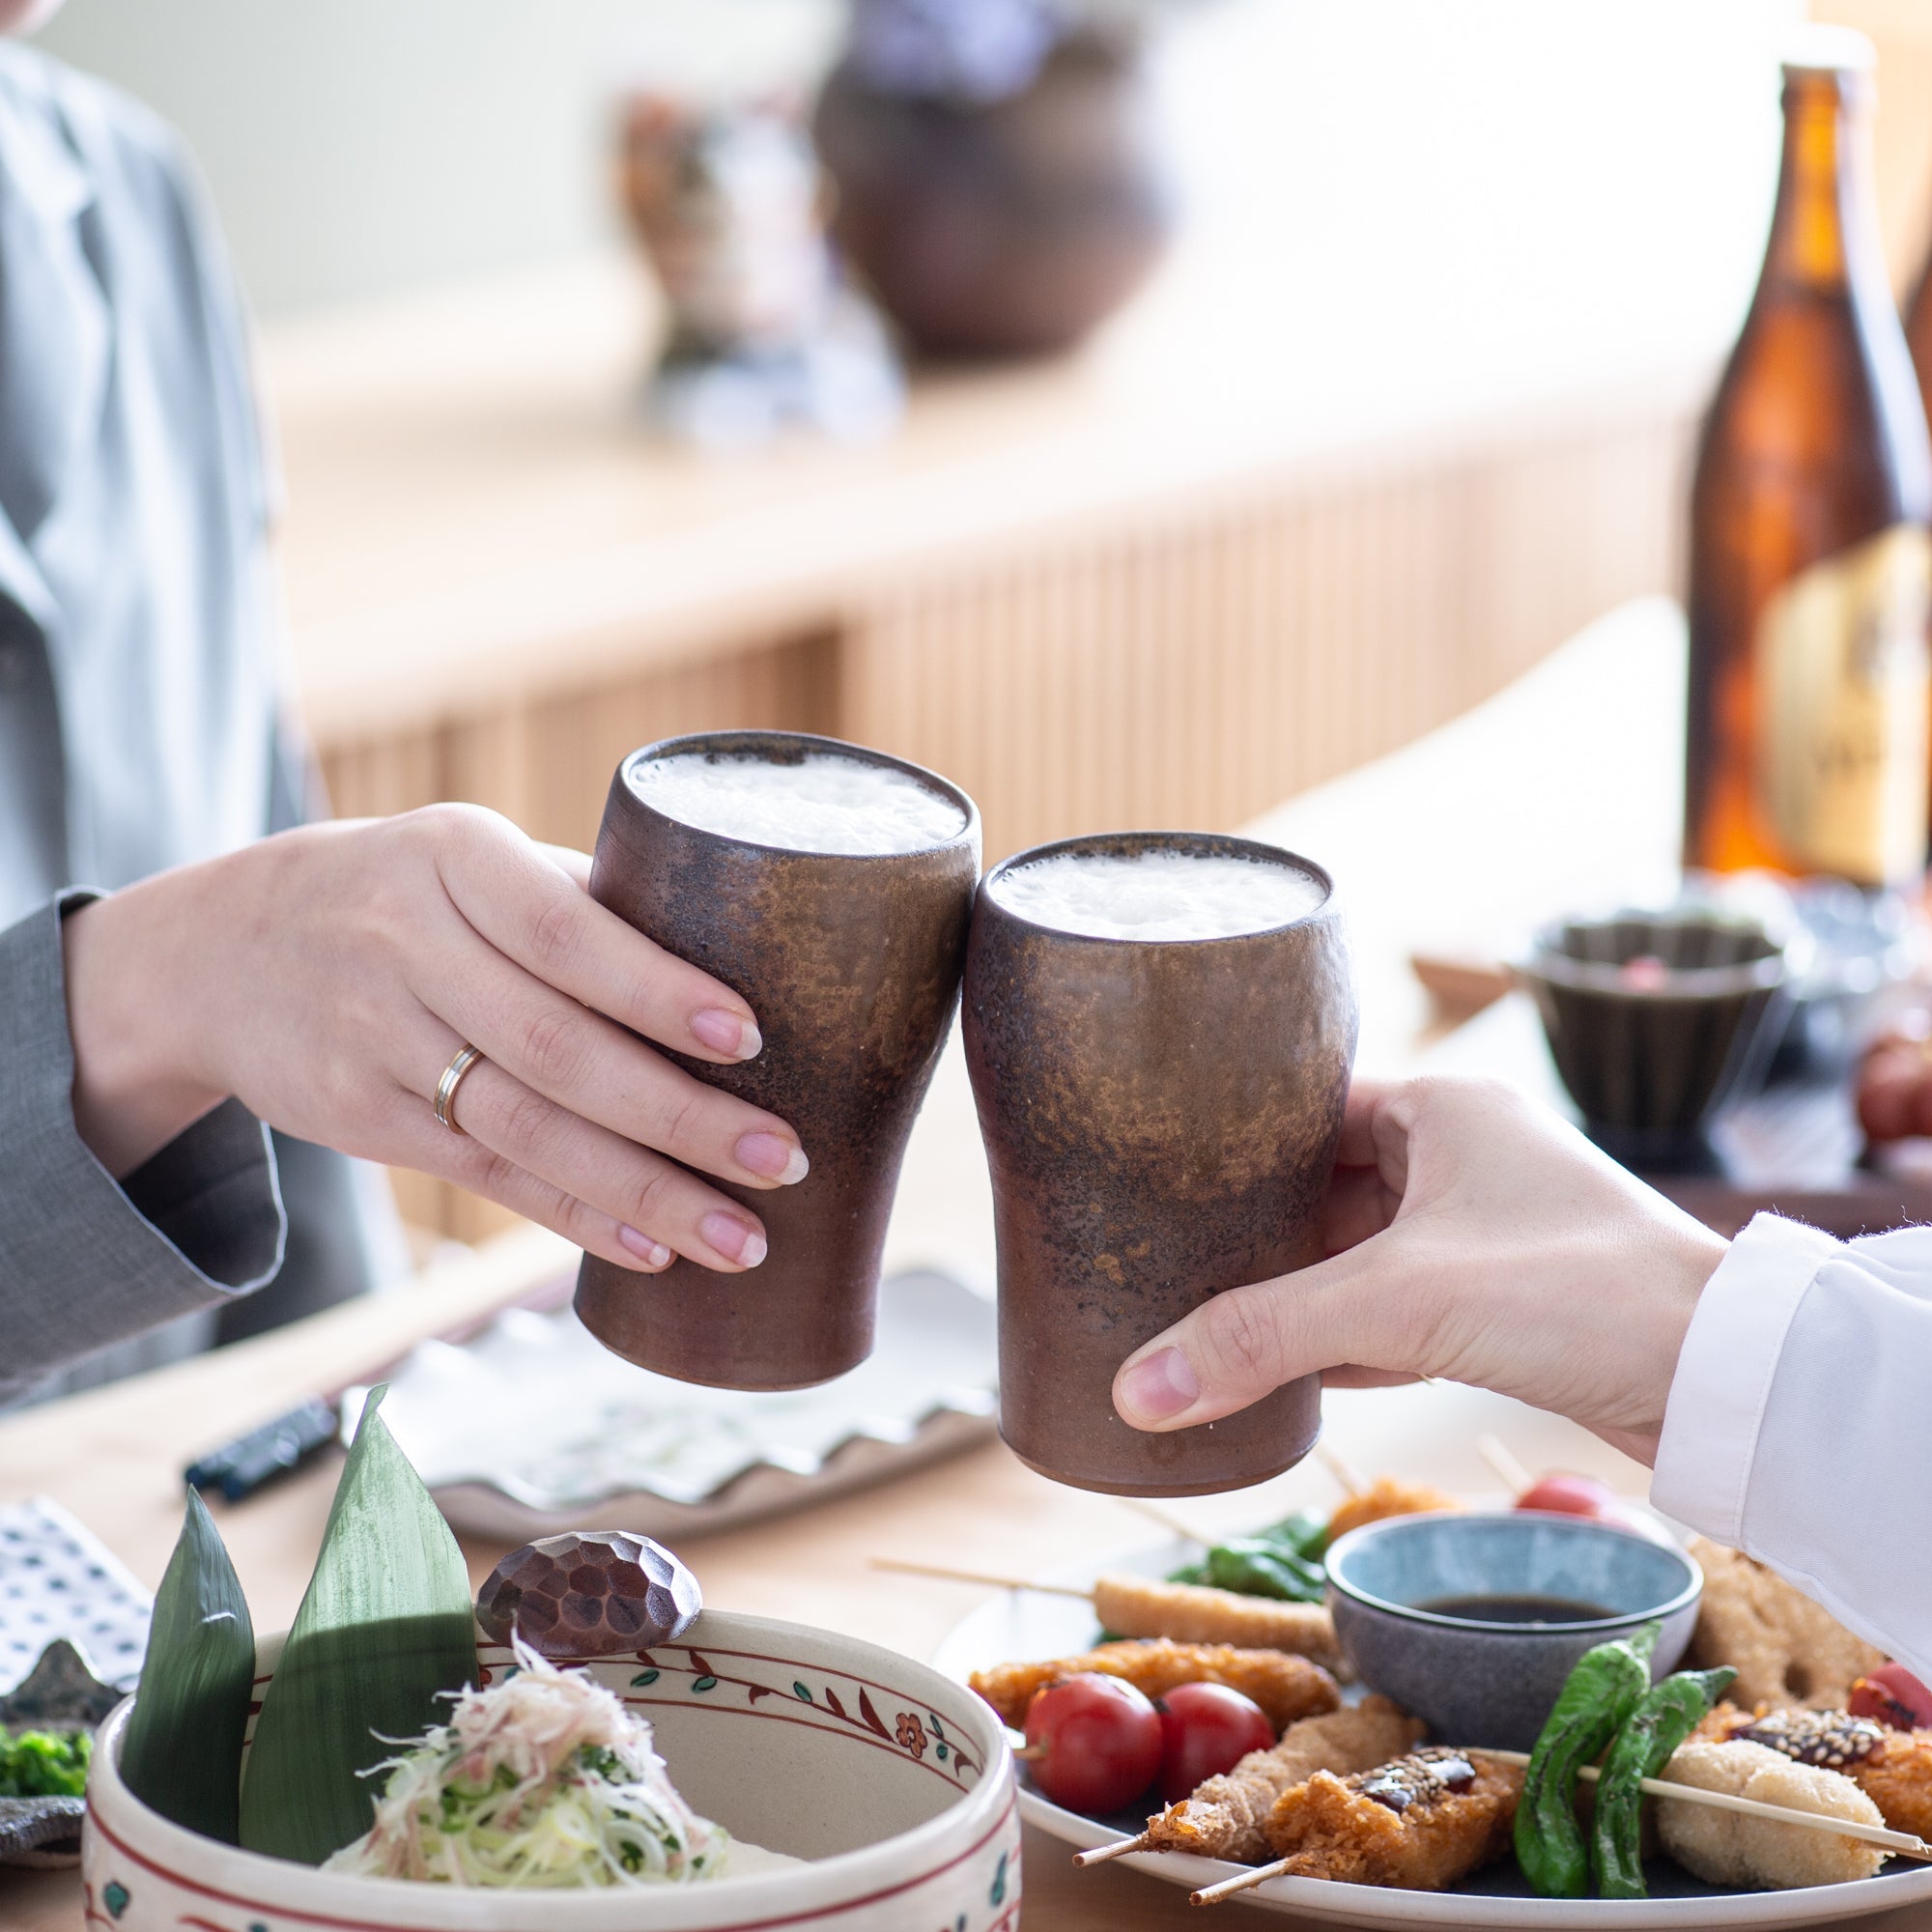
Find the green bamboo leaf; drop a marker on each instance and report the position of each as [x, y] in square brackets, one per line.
[182, 1754]
[385, 1625]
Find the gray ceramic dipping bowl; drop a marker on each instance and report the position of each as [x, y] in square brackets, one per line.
[1476, 1682]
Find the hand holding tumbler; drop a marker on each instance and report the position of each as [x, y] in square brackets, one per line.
[1159, 1028]
[832, 887]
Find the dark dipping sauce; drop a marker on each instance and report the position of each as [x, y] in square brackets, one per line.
[1512, 1610]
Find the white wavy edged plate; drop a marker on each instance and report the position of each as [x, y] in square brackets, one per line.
[531, 1425]
[1022, 1624]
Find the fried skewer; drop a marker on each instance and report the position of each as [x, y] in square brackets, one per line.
[1420, 1823]
[1902, 1844]
[1894, 1768]
[1143, 1606]
[1288, 1688]
[1226, 1817]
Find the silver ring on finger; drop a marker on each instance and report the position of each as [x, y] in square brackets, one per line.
[461, 1062]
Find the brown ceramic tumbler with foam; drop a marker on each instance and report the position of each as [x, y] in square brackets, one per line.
[851, 957]
[1159, 1028]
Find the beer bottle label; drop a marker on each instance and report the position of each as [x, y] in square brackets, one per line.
[1844, 691]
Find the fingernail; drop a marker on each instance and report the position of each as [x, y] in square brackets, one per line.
[727, 1033]
[653, 1254]
[1158, 1387]
[774, 1157]
[732, 1239]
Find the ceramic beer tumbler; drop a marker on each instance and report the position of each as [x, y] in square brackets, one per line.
[1159, 1028]
[851, 957]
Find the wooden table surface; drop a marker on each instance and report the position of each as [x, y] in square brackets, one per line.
[1429, 845]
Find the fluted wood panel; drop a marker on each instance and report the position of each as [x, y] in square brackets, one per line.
[1184, 664]
[1196, 670]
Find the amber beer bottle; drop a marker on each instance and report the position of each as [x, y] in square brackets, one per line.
[1810, 560]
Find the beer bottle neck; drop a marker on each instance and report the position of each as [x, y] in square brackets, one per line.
[1824, 234]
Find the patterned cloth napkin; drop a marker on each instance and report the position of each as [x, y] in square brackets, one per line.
[57, 1579]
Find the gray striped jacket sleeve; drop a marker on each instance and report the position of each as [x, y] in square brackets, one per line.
[85, 1260]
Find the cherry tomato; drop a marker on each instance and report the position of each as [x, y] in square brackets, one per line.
[1571, 1496]
[1893, 1696]
[1208, 1730]
[1100, 1739]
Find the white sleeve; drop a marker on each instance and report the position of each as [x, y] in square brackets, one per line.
[1798, 1428]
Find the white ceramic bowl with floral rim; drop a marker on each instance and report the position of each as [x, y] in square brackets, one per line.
[895, 1782]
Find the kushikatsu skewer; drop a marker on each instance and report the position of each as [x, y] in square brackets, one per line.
[1144, 1606]
[1903, 1843]
[1421, 1822]
[1226, 1817]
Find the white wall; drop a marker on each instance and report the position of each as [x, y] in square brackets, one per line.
[363, 145]
[357, 146]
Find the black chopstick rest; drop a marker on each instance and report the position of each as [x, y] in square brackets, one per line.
[240, 1467]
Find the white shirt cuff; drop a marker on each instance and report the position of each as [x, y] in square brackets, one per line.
[1724, 1373]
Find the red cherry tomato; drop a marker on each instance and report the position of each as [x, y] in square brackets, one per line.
[1893, 1696]
[1208, 1730]
[1100, 1739]
[1571, 1496]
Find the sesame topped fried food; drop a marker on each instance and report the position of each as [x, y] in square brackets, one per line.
[1287, 1687]
[1785, 1648]
[1420, 1823]
[1724, 1848]
[1227, 1817]
[1894, 1768]
[1196, 1613]
[1384, 1497]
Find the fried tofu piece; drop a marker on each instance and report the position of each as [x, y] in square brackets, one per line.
[1196, 1613]
[1385, 1496]
[1785, 1648]
[1894, 1768]
[1227, 1816]
[1287, 1687]
[1420, 1823]
[1755, 1854]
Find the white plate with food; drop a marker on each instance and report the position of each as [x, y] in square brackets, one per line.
[1028, 1625]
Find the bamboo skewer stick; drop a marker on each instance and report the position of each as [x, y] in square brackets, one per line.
[1902, 1844]
[1119, 1849]
[950, 1576]
[1353, 1482]
[1173, 1524]
[1509, 1472]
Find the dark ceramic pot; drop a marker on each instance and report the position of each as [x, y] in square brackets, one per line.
[1651, 1053]
[1160, 1118]
[1006, 229]
[852, 965]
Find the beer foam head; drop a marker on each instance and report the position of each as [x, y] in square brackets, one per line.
[821, 803]
[1164, 893]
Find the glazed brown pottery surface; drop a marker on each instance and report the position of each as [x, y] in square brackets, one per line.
[851, 964]
[1005, 229]
[1160, 1118]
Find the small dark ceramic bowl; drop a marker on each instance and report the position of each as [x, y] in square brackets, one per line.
[1654, 1021]
[1477, 1680]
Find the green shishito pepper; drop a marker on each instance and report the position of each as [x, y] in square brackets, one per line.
[1283, 1561]
[1604, 1687]
[1667, 1715]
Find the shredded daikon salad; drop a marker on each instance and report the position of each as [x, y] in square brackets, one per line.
[541, 1780]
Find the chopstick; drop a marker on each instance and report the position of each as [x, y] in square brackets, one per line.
[1507, 1471]
[1901, 1844]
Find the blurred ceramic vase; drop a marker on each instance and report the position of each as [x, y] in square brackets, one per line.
[729, 207]
[1002, 179]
